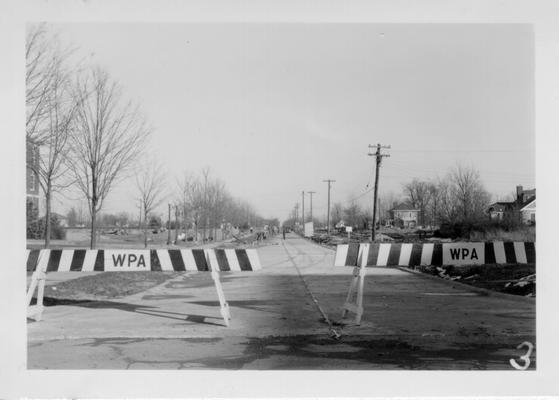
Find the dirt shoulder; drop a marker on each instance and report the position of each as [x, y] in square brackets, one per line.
[516, 279]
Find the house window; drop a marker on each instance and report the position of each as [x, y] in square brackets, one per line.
[32, 182]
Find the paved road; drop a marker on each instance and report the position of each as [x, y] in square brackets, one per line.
[410, 322]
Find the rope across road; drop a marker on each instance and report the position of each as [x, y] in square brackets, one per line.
[333, 332]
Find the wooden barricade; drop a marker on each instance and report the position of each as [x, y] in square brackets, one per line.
[122, 260]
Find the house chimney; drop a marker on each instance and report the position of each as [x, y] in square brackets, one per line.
[519, 193]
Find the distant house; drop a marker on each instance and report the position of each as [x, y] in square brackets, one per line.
[500, 210]
[32, 179]
[523, 208]
[404, 215]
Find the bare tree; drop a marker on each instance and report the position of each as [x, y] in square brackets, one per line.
[337, 213]
[40, 69]
[419, 195]
[150, 182]
[434, 203]
[205, 181]
[184, 190]
[51, 114]
[216, 197]
[470, 196]
[44, 57]
[446, 206]
[192, 201]
[353, 214]
[110, 135]
[387, 200]
[208, 203]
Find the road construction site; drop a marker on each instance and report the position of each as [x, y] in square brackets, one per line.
[285, 316]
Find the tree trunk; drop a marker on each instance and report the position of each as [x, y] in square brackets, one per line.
[47, 217]
[204, 235]
[176, 225]
[184, 222]
[93, 242]
[145, 231]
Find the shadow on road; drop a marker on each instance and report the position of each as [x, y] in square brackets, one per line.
[135, 308]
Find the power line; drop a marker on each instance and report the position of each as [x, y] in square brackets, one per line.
[361, 195]
[398, 164]
[458, 151]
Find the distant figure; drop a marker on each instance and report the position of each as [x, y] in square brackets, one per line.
[283, 233]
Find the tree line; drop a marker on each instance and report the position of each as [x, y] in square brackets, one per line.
[457, 197]
[89, 135]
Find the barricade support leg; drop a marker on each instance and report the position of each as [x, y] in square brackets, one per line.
[354, 299]
[37, 282]
[224, 306]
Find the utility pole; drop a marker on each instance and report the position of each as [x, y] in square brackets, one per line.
[303, 208]
[328, 213]
[169, 225]
[311, 193]
[176, 223]
[379, 157]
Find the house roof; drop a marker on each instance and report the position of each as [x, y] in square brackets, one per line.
[529, 192]
[404, 207]
[502, 206]
[529, 205]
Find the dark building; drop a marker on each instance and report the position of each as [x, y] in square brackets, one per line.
[32, 180]
[524, 196]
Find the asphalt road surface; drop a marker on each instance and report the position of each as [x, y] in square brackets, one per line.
[411, 321]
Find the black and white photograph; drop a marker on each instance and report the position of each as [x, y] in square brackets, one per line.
[217, 196]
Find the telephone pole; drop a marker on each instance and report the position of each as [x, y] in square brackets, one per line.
[328, 213]
[303, 208]
[169, 225]
[379, 157]
[311, 193]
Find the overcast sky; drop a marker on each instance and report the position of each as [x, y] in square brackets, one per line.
[275, 109]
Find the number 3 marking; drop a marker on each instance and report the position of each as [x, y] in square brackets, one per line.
[525, 357]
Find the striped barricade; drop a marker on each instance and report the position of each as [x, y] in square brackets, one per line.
[210, 260]
[142, 260]
[413, 254]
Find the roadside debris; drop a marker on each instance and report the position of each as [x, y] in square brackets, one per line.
[518, 279]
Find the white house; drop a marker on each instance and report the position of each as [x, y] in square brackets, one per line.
[405, 215]
[528, 213]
